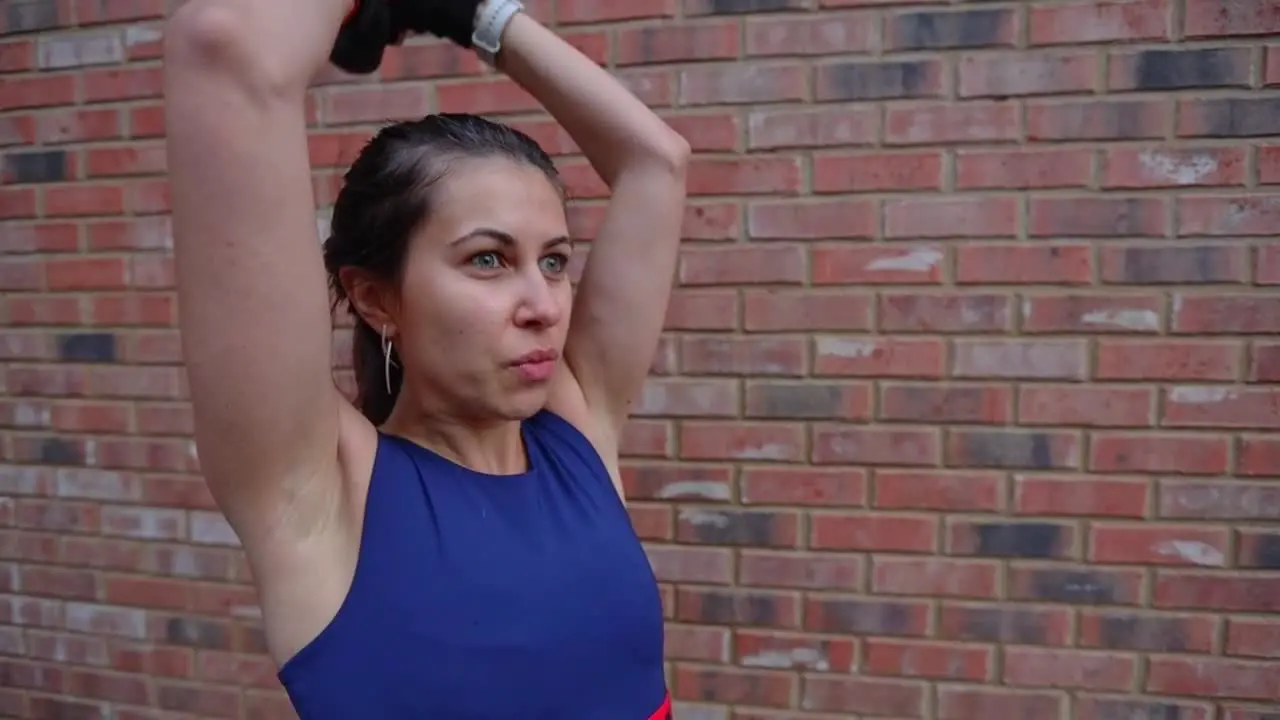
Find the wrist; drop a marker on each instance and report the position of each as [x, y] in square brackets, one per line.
[491, 21]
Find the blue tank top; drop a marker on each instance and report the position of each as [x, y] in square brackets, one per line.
[491, 597]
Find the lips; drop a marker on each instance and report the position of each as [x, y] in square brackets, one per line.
[537, 357]
[537, 366]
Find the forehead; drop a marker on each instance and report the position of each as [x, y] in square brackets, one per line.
[498, 193]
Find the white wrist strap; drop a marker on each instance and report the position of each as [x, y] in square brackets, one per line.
[492, 17]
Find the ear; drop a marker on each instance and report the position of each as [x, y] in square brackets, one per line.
[373, 299]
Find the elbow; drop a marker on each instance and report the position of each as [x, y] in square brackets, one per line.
[674, 152]
[212, 39]
[670, 153]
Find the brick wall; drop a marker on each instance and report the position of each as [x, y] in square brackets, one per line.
[966, 411]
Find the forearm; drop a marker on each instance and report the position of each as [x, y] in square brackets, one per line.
[615, 131]
[275, 47]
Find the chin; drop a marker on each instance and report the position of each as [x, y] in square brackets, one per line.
[525, 403]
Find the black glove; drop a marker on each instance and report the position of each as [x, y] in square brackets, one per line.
[375, 24]
[453, 20]
[363, 37]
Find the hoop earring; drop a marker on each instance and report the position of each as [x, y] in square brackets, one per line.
[387, 362]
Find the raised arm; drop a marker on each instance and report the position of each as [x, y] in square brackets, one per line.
[621, 300]
[252, 294]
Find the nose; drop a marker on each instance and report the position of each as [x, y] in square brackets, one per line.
[539, 305]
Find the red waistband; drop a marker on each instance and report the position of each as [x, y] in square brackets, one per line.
[663, 712]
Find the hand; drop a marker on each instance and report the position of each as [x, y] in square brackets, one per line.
[452, 20]
[364, 36]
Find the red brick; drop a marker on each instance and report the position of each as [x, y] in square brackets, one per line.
[866, 172]
[1018, 263]
[789, 310]
[826, 34]
[951, 217]
[1081, 496]
[1047, 73]
[973, 122]
[1165, 453]
[870, 532]
[831, 219]
[802, 486]
[934, 577]
[928, 660]
[1018, 169]
[938, 490]
[1097, 406]
[1206, 18]
[783, 128]
[740, 84]
[1036, 667]
[1109, 21]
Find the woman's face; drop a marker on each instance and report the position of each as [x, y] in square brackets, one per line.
[485, 296]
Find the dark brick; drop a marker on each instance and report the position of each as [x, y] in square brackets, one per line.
[741, 7]
[758, 528]
[30, 15]
[1124, 631]
[1098, 120]
[60, 451]
[44, 166]
[1182, 69]
[1265, 553]
[1167, 265]
[1074, 587]
[878, 81]
[1001, 625]
[1229, 117]
[45, 708]
[196, 632]
[735, 608]
[87, 347]
[796, 400]
[1022, 540]
[1004, 449]
[1099, 708]
[950, 30]
[864, 617]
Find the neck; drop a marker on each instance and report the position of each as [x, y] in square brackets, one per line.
[494, 447]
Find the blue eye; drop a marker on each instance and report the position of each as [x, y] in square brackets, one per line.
[486, 260]
[557, 262]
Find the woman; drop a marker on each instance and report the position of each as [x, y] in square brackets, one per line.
[456, 546]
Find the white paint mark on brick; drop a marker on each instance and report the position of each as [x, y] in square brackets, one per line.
[142, 35]
[1201, 394]
[766, 451]
[32, 415]
[844, 348]
[704, 517]
[704, 489]
[1179, 170]
[787, 659]
[1192, 551]
[69, 51]
[915, 261]
[94, 485]
[1130, 319]
[106, 620]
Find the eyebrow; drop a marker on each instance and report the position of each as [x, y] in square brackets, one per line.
[507, 239]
